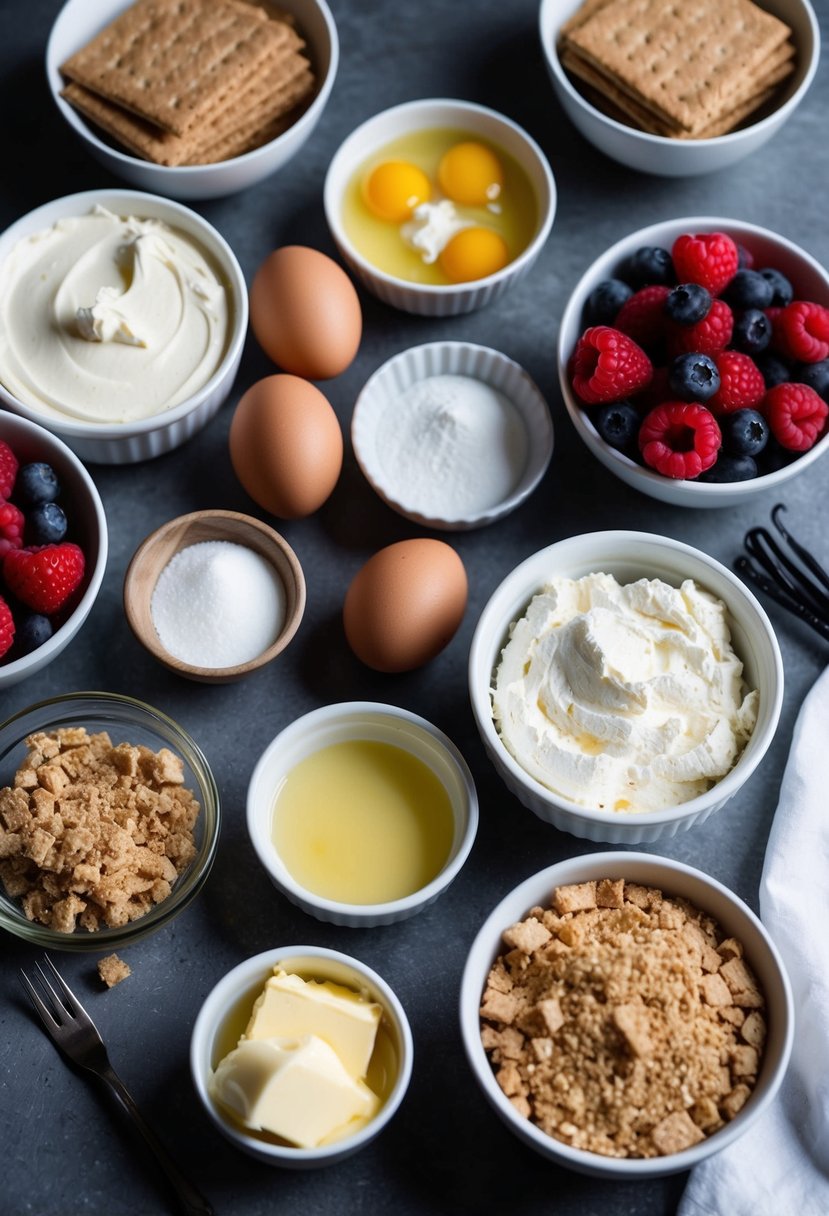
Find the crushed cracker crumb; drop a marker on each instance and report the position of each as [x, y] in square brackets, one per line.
[113, 969]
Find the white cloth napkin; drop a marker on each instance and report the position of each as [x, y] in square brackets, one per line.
[781, 1166]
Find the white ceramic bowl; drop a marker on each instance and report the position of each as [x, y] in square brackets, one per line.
[810, 281]
[403, 370]
[628, 556]
[675, 157]
[430, 299]
[674, 879]
[229, 1004]
[87, 527]
[125, 443]
[80, 20]
[338, 724]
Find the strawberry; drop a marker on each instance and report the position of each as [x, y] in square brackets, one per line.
[802, 328]
[607, 366]
[8, 469]
[44, 578]
[707, 337]
[11, 527]
[710, 259]
[796, 415]
[742, 386]
[680, 439]
[6, 627]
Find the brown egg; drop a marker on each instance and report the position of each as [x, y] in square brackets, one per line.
[405, 604]
[305, 312]
[286, 446]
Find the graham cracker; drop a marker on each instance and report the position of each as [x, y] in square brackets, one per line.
[169, 60]
[687, 63]
[252, 135]
[580, 16]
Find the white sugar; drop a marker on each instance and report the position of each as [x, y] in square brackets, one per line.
[217, 604]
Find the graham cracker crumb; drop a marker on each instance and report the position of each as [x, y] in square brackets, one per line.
[113, 969]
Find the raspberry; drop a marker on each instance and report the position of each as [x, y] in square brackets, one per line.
[8, 469]
[707, 337]
[43, 579]
[642, 317]
[796, 415]
[804, 330]
[608, 365]
[742, 386]
[710, 259]
[679, 439]
[6, 627]
[11, 527]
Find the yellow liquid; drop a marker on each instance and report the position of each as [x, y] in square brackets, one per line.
[380, 242]
[362, 822]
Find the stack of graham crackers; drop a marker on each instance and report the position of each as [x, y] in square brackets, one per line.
[192, 82]
[685, 69]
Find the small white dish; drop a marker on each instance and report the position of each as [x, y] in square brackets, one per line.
[128, 442]
[343, 723]
[681, 157]
[79, 21]
[422, 298]
[407, 368]
[628, 556]
[229, 1004]
[674, 879]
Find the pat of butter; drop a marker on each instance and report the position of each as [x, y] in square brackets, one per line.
[294, 1088]
[291, 1007]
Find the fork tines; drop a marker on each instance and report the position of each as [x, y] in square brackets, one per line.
[63, 1006]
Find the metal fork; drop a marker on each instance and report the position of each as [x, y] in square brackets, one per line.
[72, 1030]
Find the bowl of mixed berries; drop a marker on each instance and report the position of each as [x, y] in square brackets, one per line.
[694, 360]
[53, 547]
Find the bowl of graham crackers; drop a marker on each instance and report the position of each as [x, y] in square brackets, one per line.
[192, 99]
[679, 89]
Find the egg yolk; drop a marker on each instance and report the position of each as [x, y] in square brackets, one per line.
[394, 189]
[473, 253]
[469, 173]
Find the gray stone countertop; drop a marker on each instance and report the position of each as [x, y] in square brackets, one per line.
[63, 1148]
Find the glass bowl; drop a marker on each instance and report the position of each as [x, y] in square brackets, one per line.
[127, 721]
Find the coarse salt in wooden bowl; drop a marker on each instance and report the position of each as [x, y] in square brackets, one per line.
[161, 546]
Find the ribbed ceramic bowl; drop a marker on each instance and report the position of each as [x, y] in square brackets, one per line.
[810, 281]
[358, 720]
[225, 1013]
[87, 527]
[79, 21]
[380, 394]
[128, 442]
[681, 157]
[372, 135]
[126, 721]
[628, 556]
[673, 879]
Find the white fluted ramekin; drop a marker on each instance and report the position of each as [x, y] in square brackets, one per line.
[128, 442]
[628, 556]
[458, 359]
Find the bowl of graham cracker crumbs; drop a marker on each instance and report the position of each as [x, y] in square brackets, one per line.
[626, 1015]
[109, 821]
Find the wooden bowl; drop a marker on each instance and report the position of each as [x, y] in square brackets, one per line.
[154, 553]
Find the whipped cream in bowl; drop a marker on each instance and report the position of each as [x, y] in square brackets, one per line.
[625, 685]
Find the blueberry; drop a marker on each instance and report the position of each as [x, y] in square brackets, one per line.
[744, 258]
[730, 468]
[693, 377]
[744, 432]
[688, 303]
[36, 483]
[32, 631]
[617, 423]
[752, 331]
[775, 456]
[782, 290]
[648, 266]
[772, 369]
[816, 375]
[45, 524]
[604, 302]
[748, 289]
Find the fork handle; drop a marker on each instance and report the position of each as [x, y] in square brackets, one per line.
[191, 1200]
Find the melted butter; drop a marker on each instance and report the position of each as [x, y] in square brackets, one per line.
[363, 822]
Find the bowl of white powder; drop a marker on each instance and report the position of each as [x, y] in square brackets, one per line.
[452, 435]
[625, 685]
